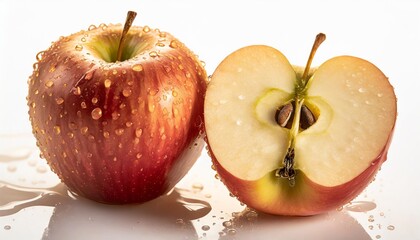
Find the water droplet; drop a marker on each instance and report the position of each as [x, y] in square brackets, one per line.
[115, 115]
[174, 93]
[83, 39]
[205, 227]
[127, 92]
[146, 29]
[227, 224]
[362, 90]
[83, 105]
[7, 227]
[371, 227]
[378, 236]
[106, 134]
[96, 113]
[173, 44]
[231, 231]
[70, 135]
[103, 26]
[153, 54]
[162, 34]
[139, 132]
[163, 137]
[77, 91]
[160, 44]
[94, 100]
[360, 206]
[188, 75]
[49, 83]
[91, 27]
[119, 131]
[107, 83]
[139, 155]
[39, 55]
[390, 227]
[137, 67]
[371, 218]
[129, 124]
[84, 130]
[197, 187]
[59, 100]
[57, 130]
[78, 47]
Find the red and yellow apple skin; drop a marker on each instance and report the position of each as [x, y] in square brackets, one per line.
[118, 132]
[273, 195]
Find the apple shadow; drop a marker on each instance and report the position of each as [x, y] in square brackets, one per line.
[167, 217]
[329, 226]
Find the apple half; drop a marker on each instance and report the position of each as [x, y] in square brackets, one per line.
[292, 142]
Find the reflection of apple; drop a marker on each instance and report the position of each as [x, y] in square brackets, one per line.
[118, 124]
[297, 142]
[334, 225]
[168, 217]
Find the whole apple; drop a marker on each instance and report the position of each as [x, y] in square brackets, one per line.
[118, 126]
[297, 141]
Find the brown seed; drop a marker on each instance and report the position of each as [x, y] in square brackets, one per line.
[307, 118]
[284, 114]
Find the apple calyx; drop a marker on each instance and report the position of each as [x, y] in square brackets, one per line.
[296, 116]
[131, 15]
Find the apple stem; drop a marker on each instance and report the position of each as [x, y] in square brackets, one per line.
[319, 39]
[131, 15]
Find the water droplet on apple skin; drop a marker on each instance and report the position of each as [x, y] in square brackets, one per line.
[78, 47]
[96, 113]
[137, 68]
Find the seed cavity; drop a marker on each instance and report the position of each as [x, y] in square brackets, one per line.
[285, 114]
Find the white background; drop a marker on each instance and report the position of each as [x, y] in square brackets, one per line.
[386, 33]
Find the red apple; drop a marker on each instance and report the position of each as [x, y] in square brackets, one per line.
[293, 141]
[118, 126]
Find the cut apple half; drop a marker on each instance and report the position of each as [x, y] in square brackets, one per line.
[271, 126]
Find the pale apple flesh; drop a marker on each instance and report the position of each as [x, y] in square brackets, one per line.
[118, 132]
[335, 158]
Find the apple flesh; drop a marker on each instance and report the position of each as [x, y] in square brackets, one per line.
[118, 131]
[334, 159]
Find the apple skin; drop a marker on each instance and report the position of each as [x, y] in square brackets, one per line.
[306, 198]
[118, 132]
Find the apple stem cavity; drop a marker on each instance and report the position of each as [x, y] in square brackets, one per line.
[131, 15]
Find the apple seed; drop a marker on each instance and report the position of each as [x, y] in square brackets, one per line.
[283, 114]
[307, 118]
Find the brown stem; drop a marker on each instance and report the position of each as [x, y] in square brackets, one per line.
[131, 15]
[318, 40]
